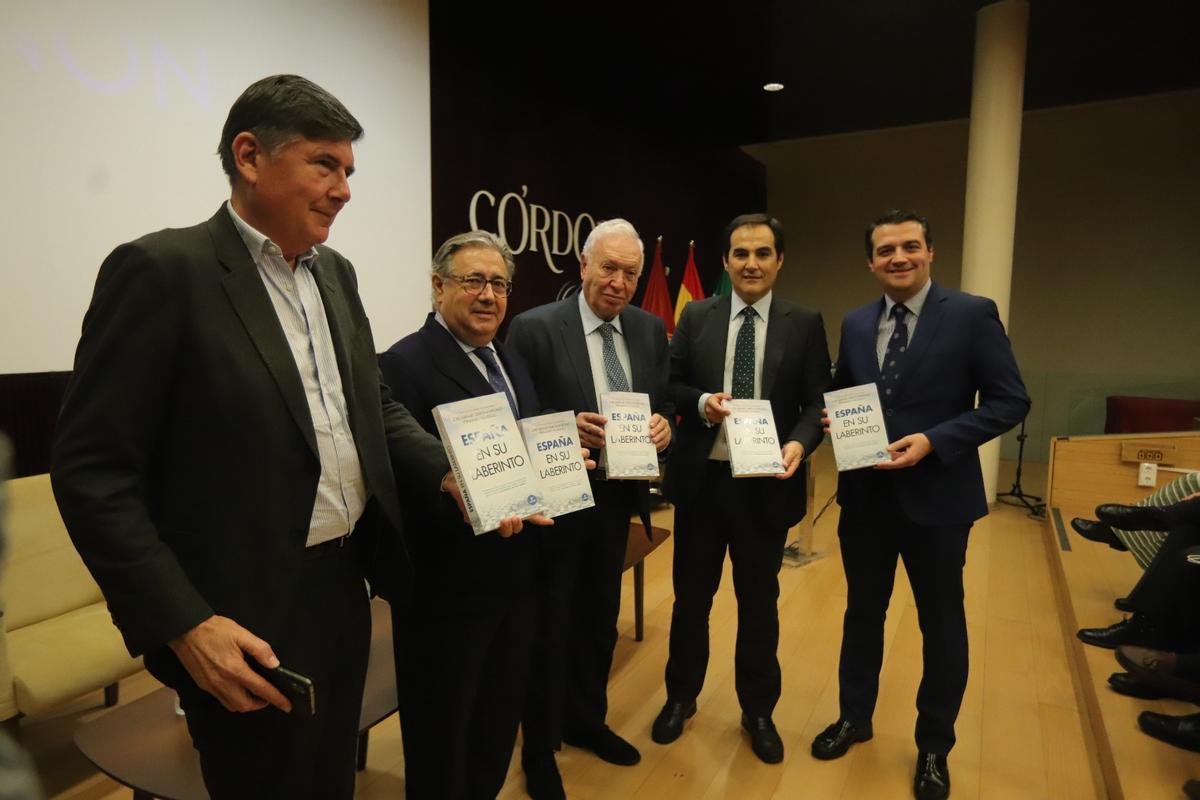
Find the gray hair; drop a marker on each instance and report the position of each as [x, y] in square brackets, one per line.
[444, 257]
[613, 227]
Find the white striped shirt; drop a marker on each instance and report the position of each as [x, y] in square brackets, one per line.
[341, 491]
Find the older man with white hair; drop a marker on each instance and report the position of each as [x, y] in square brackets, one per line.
[577, 349]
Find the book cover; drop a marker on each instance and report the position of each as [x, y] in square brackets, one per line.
[488, 456]
[754, 446]
[628, 452]
[856, 427]
[552, 441]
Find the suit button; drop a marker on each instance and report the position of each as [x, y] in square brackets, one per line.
[888, 412]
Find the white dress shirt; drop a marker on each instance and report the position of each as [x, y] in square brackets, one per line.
[720, 450]
[595, 346]
[887, 323]
[341, 490]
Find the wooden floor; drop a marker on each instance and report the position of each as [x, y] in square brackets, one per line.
[1019, 734]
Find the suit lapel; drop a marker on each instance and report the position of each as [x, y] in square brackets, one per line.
[779, 331]
[927, 327]
[571, 331]
[712, 342]
[450, 360]
[641, 351]
[252, 304]
[867, 338]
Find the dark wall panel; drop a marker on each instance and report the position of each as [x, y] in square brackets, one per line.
[29, 404]
[561, 149]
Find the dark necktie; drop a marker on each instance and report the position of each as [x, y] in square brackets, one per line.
[617, 382]
[893, 357]
[743, 356]
[495, 376]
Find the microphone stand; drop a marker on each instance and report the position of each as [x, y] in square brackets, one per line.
[1019, 498]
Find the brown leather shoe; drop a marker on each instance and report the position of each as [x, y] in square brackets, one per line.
[1159, 669]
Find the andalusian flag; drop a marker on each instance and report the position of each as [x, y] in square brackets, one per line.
[723, 285]
[690, 289]
[657, 299]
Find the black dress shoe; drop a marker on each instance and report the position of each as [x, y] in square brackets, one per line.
[668, 725]
[606, 745]
[1097, 532]
[834, 741]
[764, 739]
[1135, 630]
[542, 781]
[1160, 670]
[1180, 731]
[1123, 604]
[1133, 518]
[933, 777]
[1126, 684]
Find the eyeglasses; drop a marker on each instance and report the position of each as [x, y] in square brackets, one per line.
[473, 284]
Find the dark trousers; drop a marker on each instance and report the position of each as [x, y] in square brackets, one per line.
[1167, 590]
[270, 754]
[461, 664]
[727, 514]
[933, 558]
[579, 600]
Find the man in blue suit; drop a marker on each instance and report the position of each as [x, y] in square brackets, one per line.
[462, 646]
[930, 350]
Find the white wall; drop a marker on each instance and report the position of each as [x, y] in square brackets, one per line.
[111, 115]
[1106, 268]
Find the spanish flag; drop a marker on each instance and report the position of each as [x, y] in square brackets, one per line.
[690, 289]
[657, 299]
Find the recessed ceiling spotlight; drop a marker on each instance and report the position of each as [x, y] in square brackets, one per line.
[772, 87]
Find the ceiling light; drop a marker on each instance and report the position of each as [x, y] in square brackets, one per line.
[772, 87]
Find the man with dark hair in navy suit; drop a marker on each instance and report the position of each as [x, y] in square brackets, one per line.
[930, 350]
[749, 344]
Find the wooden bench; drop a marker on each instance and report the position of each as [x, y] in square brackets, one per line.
[1084, 472]
[145, 745]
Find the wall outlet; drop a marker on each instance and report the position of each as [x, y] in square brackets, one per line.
[1147, 474]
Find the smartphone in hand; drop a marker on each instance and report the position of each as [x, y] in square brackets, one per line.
[297, 688]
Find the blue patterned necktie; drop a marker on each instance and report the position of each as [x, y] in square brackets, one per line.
[893, 358]
[617, 382]
[495, 376]
[743, 356]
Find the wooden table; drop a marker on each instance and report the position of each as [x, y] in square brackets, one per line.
[145, 745]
